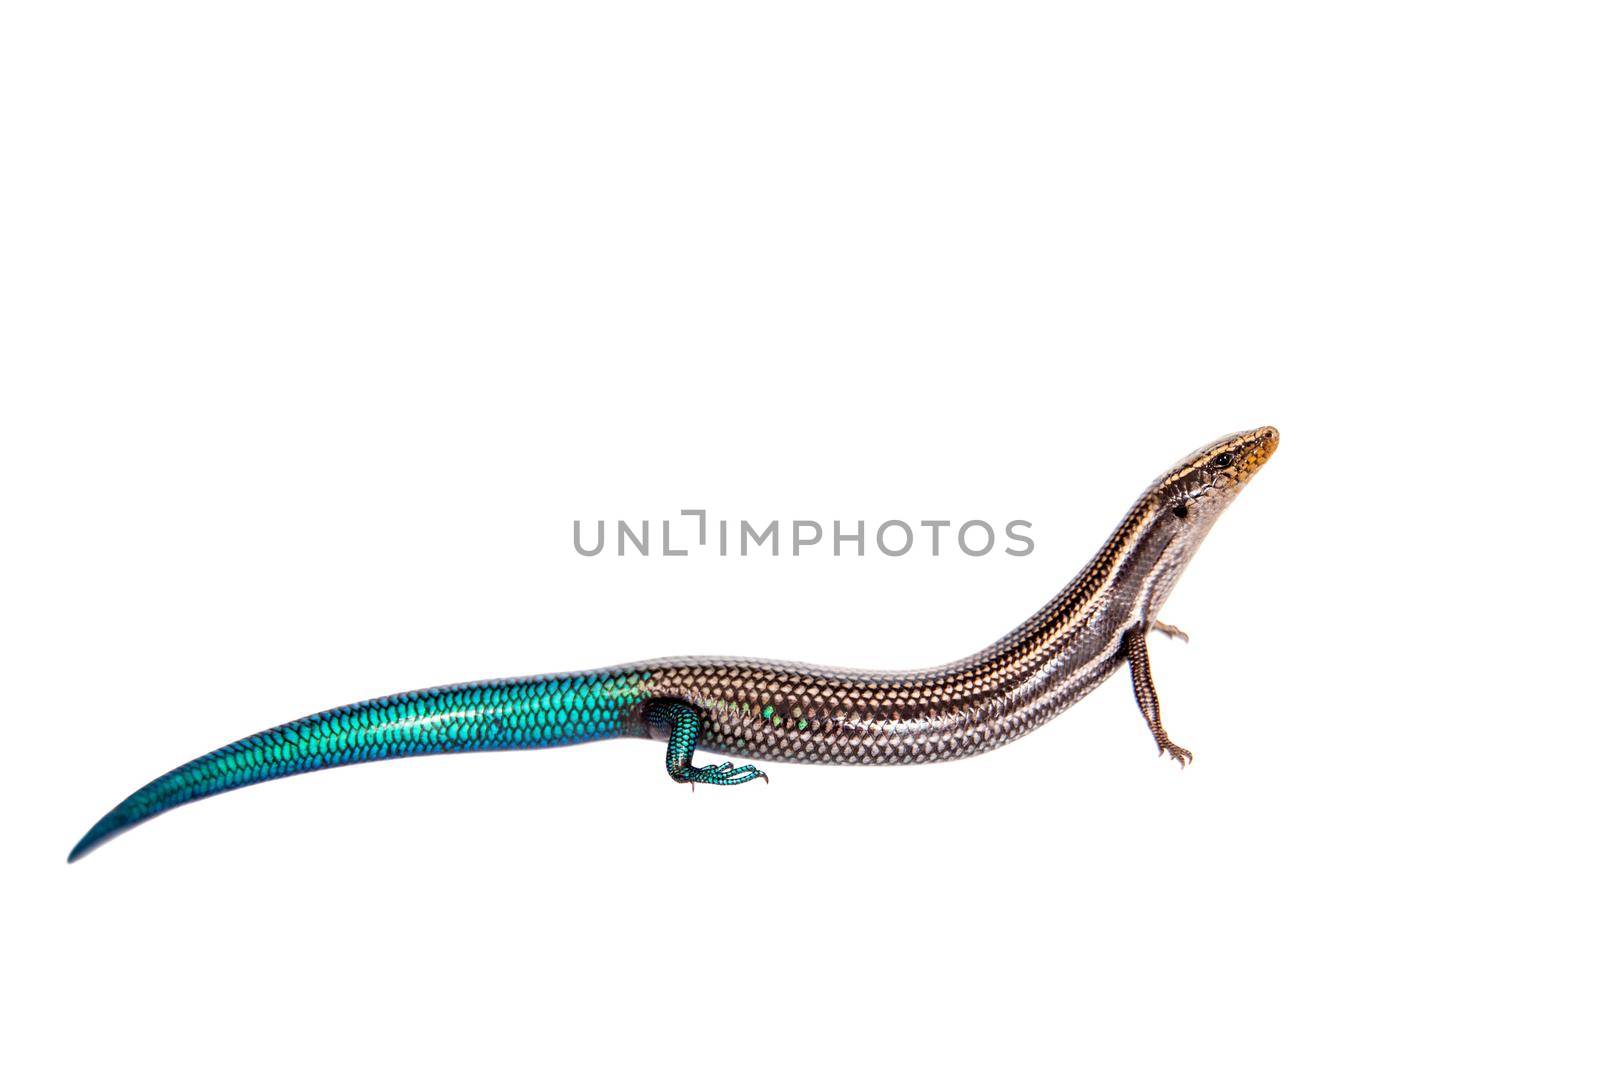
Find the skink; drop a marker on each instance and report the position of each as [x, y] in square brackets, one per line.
[791, 712]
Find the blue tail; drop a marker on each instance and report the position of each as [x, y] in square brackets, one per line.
[509, 713]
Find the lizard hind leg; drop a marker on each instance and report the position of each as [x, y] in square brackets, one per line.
[681, 724]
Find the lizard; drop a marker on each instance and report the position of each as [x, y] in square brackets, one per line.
[779, 711]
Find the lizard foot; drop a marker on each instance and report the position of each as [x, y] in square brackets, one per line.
[1177, 752]
[1171, 631]
[722, 774]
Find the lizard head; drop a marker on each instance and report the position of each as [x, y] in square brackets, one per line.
[1178, 511]
[1205, 482]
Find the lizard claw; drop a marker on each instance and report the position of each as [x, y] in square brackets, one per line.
[722, 774]
[1165, 747]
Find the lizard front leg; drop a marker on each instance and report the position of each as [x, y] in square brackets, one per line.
[1144, 690]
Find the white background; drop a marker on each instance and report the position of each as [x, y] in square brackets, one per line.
[323, 321]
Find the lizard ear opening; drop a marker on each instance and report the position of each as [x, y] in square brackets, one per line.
[1181, 510]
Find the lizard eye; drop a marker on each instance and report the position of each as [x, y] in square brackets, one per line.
[1181, 510]
[1222, 462]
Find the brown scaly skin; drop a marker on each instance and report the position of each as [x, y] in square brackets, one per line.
[807, 714]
